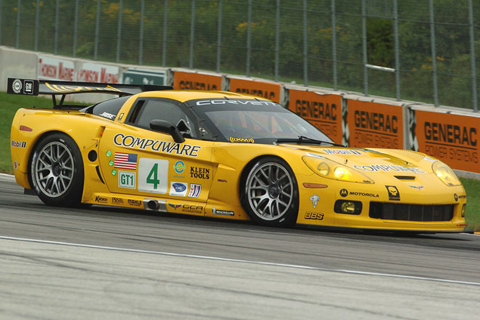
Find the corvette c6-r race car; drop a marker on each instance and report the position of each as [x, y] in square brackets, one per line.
[221, 154]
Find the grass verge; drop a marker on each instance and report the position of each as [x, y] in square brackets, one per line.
[10, 103]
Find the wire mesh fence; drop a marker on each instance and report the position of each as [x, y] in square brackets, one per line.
[423, 50]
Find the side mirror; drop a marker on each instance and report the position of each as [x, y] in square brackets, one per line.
[168, 128]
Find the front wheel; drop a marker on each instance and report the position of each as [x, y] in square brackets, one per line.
[56, 171]
[270, 193]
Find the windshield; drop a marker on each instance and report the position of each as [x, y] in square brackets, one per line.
[255, 121]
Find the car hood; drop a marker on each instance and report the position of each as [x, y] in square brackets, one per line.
[372, 161]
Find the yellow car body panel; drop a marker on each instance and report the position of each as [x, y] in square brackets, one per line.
[132, 167]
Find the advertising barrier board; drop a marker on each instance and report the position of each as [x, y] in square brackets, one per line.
[269, 90]
[373, 124]
[324, 111]
[196, 81]
[451, 138]
[144, 77]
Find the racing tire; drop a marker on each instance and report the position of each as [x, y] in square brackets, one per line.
[56, 171]
[270, 193]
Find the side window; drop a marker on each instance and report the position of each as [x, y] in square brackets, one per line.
[147, 110]
[107, 109]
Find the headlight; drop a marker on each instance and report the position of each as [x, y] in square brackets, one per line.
[333, 170]
[445, 174]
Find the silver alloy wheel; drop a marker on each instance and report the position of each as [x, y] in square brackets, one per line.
[53, 169]
[270, 191]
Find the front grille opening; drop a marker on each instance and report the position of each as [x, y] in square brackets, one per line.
[411, 212]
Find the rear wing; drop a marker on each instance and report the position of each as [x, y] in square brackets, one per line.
[64, 88]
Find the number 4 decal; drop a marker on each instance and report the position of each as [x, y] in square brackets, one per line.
[153, 175]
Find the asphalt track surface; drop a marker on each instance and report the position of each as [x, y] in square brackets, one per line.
[108, 263]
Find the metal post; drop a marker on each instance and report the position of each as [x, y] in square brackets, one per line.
[57, 15]
[364, 48]
[19, 4]
[192, 34]
[434, 54]
[334, 45]
[305, 45]
[165, 17]
[37, 24]
[249, 36]
[472, 56]
[397, 49]
[97, 31]
[277, 39]
[219, 35]
[75, 30]
[119, 30]
[140, 45]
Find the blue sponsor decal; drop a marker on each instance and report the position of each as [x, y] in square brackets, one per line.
[179, 187]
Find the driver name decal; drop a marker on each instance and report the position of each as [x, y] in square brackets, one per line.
[128, 141]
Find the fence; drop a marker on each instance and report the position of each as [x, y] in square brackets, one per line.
[423, 50]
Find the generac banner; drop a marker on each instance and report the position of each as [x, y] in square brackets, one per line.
[196, 81]
[324, 111]
[262, 89]
[448, 137]
[374, 125]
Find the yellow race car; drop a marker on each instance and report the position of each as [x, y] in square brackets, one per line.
[221, 154]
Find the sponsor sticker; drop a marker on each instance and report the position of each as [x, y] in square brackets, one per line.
[125, 160]
[343, 151]
[179, 167]
[314, 216]
[192, 208]
[314, 200]
[127, 179]
[199, 173]
[101, 199]
[134, 203]
[19, 144]
[195, 190]
[178, 189]
[174, 206]
[128, 141]
[387, 168]
[153, 175]
[393, 193]
[223, 212]
[345, 192]
[117, 200]
[241, 140]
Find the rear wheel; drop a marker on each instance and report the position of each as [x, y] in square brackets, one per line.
[56, 171]
[270, 194]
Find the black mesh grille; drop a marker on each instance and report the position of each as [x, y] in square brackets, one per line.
[410, 212]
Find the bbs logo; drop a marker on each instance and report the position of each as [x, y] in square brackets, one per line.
[314, 215]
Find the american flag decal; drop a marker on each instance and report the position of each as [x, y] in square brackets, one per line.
[125, 161]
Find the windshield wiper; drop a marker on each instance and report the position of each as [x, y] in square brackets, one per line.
[303, 139]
